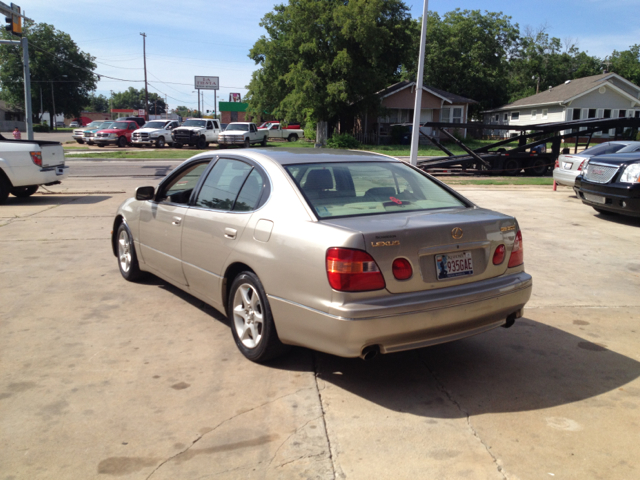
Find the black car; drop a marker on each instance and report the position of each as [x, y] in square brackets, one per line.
[611, 184]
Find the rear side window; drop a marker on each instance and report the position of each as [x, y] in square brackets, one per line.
[232, 185]
[368, 188]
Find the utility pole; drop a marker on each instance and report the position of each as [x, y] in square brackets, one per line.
[199, 111]
[53, 100]
[146, 90]
[417, 109]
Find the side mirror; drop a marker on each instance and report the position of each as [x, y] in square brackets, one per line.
[566, 151]
[145, 193]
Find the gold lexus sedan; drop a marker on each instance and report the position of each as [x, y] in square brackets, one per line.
[349, 253]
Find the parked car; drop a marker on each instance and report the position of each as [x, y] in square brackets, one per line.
[27, 164]
[242, 133]
[349, 253]
[90, 132]
[154, 133]
[74, 124]
[611, 184]
[117, 134]
[78, 134]
[139, 120]
[569, 166]
[196, 132]
[289, 134]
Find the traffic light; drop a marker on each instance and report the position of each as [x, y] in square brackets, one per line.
[14, 22]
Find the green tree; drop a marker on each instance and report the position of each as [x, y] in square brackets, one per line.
[627, 63]
[60, 71]
[467, 53]
[321, 57]
[134, 98]
[97, 103]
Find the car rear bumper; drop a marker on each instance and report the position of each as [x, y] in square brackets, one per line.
[565, 177]
[623, 198]
[406, 321]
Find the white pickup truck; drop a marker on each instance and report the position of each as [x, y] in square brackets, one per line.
[242, 133]
[27, 164]
[291, 134]
[155, 132]
[197, 132]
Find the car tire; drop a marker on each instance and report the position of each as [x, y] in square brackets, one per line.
[511, 167]
[24, 192]
[81, 142]
[160, 142]
[201, 144]
[122, 142]
[222, 146]
[5, 188]
[177, 145]
[602, 211]
[251, 321]
[538, 167]
[100, 145]
[293, 137]
[127, 258]
[264, 141]
[247, 143]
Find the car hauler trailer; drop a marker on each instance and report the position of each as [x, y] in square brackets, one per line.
[531, 153]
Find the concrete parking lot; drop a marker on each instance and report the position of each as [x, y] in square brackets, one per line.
[101, 378]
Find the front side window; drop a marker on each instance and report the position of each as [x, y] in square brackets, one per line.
[220, 189]
[368, 188]
[179, 188]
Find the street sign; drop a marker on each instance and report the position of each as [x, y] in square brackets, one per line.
[207, 83]
[141, 112]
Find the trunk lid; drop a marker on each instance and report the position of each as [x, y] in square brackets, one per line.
[424, 238]
[52, 155]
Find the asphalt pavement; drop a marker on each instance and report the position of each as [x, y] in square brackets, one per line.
[102, 378]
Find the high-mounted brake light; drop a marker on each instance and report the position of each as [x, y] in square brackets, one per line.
[351, 270]
[36, 157]
[517, 254]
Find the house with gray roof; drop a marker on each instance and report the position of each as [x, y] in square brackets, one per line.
[437, 105]
[607, 95]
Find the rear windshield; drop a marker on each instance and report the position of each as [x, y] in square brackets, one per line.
[602, 149]
[368, 188]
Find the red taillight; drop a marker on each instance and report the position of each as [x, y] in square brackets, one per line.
[353, 271]
[517, 255]
[557, 163]
[498, 255]
[581, 165]
[402, 269]
[36, 157]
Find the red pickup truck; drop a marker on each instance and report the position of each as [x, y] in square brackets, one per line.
[118, 134]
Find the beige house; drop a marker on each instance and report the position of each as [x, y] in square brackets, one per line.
[11, 118]
[437, 105]
[607, 95]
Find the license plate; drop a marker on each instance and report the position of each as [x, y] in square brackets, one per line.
[454, 265]
[595, 198]
[59, 170]
[567, 165]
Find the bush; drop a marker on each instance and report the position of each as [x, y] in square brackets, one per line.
[41, 127]
[400, 135]
[310, 131]
[344, 140]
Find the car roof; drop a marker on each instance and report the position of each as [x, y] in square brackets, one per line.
[617, 157]
[293, 156]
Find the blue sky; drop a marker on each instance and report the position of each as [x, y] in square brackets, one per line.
[199, 37]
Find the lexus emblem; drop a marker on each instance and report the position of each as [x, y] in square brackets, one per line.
[457, 233]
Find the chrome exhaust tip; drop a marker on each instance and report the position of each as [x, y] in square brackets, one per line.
[370, 352]
[511, 319]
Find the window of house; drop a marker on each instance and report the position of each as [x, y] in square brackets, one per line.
[545, 113]
[506, 117]
[515, 116]
[497, 118]
[445, 115]
[607, 113]
[457, 115]
[622, 113]
[534, 114]
[576, 114]
[592, 113]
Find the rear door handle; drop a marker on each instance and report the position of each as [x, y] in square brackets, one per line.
[176, 220]
[230, 233]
